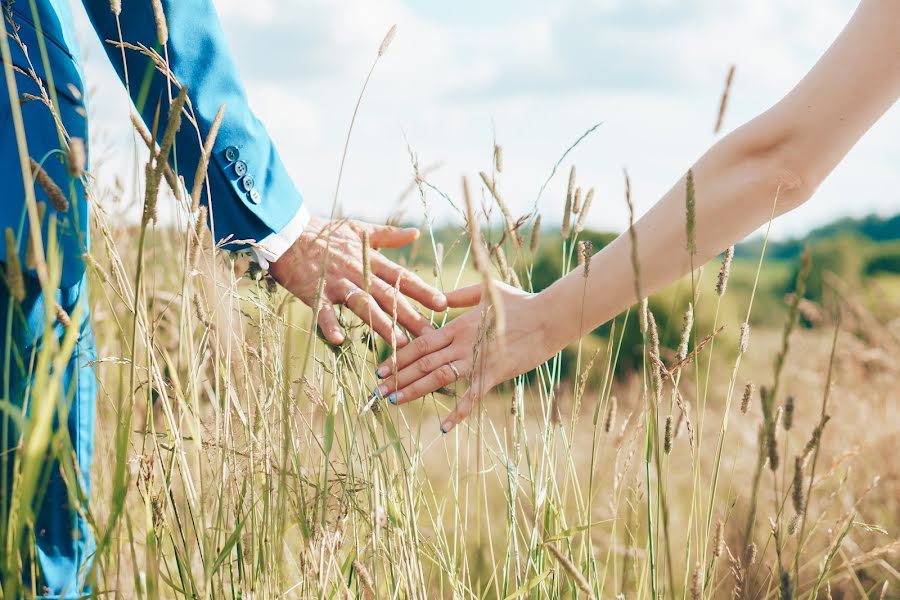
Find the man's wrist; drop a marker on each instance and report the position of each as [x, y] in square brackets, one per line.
[274, 245]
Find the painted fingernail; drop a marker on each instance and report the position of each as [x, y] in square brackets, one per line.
[380, 391]
[392, 398]
[382, 372]
[445, 427]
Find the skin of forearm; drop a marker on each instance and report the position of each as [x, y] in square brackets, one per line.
[736, 189]
[763, 169]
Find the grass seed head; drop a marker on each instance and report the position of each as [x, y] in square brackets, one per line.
[610, 421]
[719, 540]
[585, 252]
[582, 216]
[365, 579]
[723, 104]
[570, 568]
[162, 29]
[697, 582]
[788, 420]
[667, 438]
[498, 158]
[749, 390]
[567, 211]
[15, 279]
[772, 443]
[386, 42]
[691, 216]
[535, 235]
[797, 487]
[722, 281]
[576, 201]
[744, 344]
[686, 326]
[76, 159]
[116, 7]
[54, 193]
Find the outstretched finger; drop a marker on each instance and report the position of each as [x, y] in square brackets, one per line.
[411, 285]
[367, 309]
[407, 316]
[412, 382]
[328, 323]
[466, 296]
[386, 236]
[464, 407]
[419, 347]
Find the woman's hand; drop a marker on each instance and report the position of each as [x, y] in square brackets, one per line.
[469, 348]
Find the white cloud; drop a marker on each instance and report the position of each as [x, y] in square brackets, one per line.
[541, 73]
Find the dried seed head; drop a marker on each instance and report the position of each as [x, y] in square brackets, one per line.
[570, 568]
[794, 525]
[749, 389]
[724, 102]
[54, 193]
[30, 258]
[697, 582]
[365, 579]
[797, 487]
[582, 216]
[535, 235]
[498, 158]
[116, 7]
[199, 232]
[500, 255]
[567, 212]
[62, 317]
[788, 420]
[722, 282]
[386, 42]
[203, 164]
[786, 588]
[576, 201]
[585, 252]
[642, 316]
[162, 29]
[15, 279]
[816, 437]
[772, 444]
[610, 421]
[752, 553]
[691, 218]
[76, 160]
[366, 260]
[686, 326]
[511, 228]
[667, 439]
[89, 259]
[719, 540]
[745, 337]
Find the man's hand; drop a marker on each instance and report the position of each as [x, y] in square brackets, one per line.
[335, 247]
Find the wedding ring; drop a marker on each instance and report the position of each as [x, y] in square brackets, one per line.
[454, 369]
[349, 295]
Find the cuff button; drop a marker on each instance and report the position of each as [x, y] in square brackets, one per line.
[240, 168]
[254, 196]
[247, 183]
[232, 154]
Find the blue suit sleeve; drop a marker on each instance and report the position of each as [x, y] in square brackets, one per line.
[252, 195]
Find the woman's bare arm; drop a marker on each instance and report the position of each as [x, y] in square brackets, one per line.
[786, 153]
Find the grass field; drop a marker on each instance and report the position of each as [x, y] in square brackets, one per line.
[239, 455]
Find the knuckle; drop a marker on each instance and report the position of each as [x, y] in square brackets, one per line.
[427, 364]
[423, 344]
[445, 375]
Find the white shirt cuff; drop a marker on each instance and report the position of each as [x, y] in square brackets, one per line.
[270, 248]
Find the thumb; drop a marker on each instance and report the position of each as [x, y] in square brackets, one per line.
[465, 297]
[386, 236]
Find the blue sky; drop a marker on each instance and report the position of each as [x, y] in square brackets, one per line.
[535, 74]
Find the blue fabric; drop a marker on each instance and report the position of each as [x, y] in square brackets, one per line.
[199, 59]
[62, 541]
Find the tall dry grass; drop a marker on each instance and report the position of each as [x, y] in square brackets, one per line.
[238, 454]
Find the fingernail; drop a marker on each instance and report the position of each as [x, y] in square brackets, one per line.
[393, 398]
[382, 372]
[379, 391]
[440, 299]
[444, 428]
